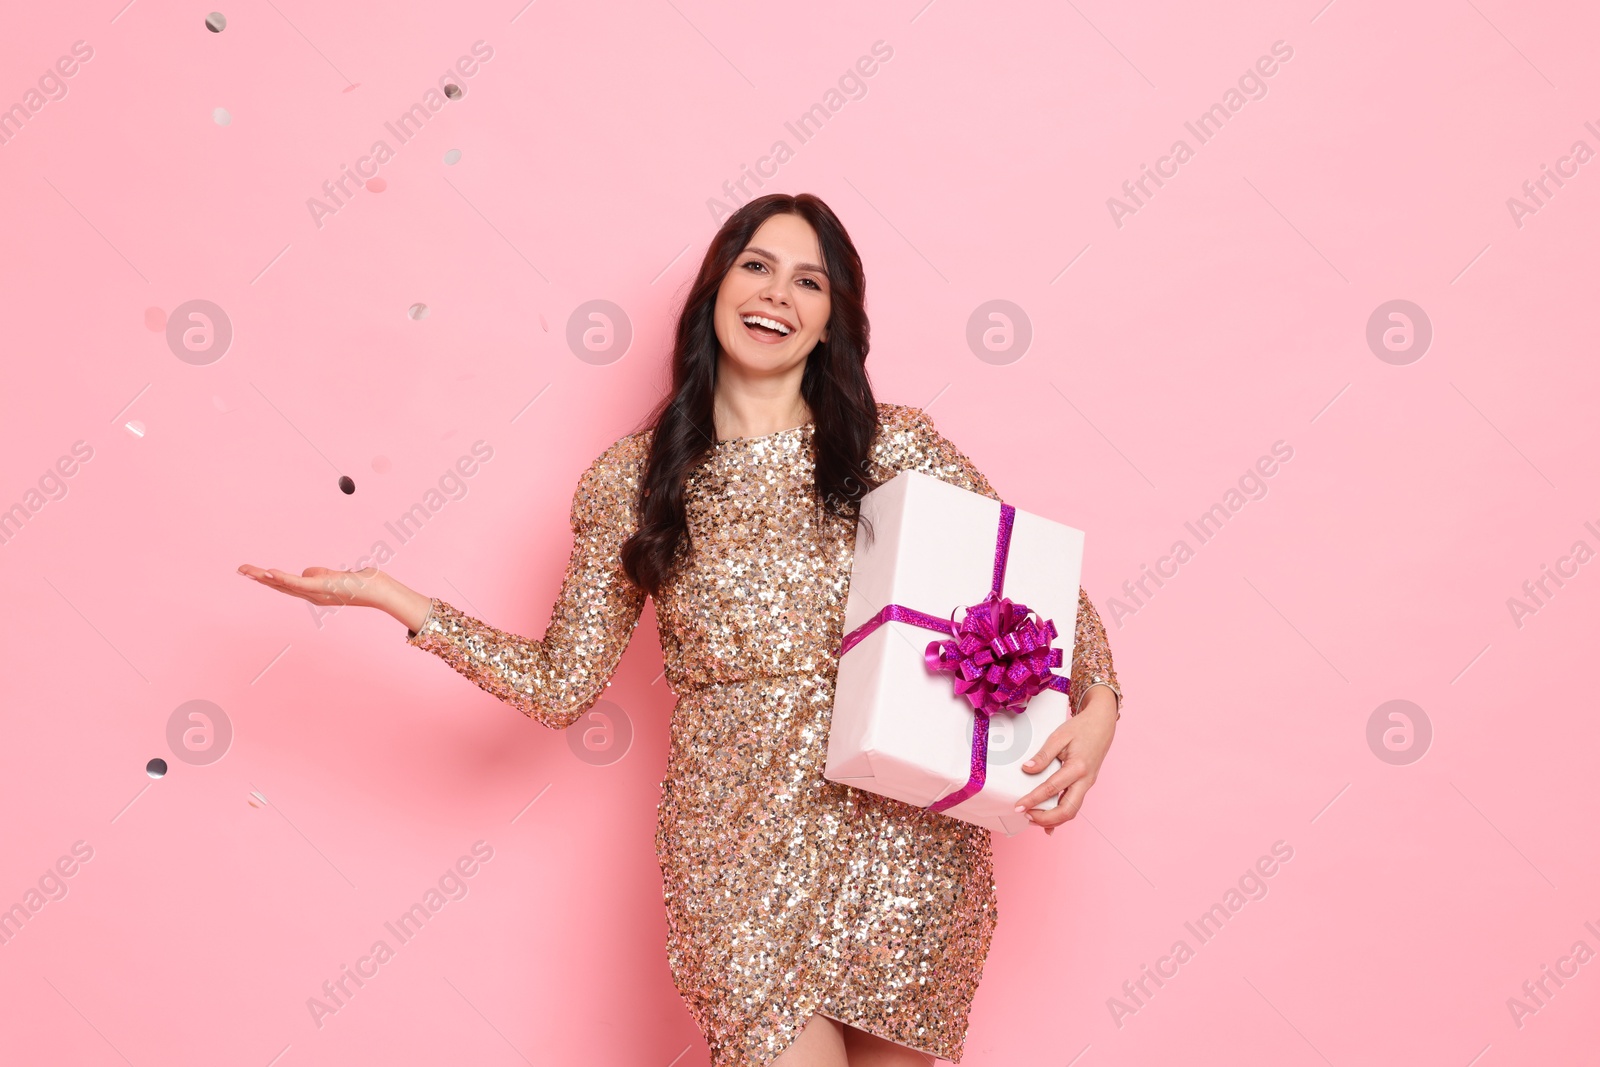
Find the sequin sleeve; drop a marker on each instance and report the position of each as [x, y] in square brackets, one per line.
[912, 443]
[558, 677]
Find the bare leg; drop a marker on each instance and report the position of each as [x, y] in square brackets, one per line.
[870, 1050]
[820, 1043]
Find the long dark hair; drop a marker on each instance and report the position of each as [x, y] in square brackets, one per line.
[834, 386]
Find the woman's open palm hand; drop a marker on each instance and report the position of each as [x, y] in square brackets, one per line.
[366, 588]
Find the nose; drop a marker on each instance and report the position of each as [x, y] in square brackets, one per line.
[777, 289]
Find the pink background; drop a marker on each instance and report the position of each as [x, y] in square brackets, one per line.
[1228, 313]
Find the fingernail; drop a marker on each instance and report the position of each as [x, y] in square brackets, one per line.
[1021, 808]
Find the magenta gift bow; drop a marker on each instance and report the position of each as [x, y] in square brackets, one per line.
[1000, 654]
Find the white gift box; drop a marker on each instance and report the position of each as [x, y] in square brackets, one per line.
[899, 728]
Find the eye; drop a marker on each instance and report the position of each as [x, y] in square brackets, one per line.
[758, 263]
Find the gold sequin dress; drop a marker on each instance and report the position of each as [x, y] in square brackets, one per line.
[786, 894]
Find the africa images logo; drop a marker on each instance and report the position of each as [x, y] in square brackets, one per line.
[339, 191]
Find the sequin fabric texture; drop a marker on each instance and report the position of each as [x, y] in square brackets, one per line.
[786, 894]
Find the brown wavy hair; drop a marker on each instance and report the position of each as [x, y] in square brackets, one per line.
[834, 386]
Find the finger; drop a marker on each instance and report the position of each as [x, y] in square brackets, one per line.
[264, 576]
[262, 573]
[1052, 748]
[312, 589]
[1040, 761]
[1067, 807]
[1065, 775]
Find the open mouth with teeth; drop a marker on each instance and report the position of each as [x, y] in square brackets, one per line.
[766, 330]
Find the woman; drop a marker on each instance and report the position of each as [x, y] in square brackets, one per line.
[810, 924]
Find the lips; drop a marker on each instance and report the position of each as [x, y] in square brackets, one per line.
[763, 334]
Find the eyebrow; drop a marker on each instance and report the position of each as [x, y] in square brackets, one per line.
[764, 254]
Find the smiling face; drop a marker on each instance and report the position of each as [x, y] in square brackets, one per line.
[778, 279]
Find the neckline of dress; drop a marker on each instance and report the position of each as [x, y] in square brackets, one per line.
[808, 424]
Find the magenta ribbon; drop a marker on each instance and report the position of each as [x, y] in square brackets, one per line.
[999, 653]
